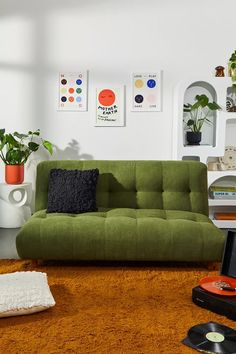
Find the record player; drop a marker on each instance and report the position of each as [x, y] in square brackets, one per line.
[224, 304]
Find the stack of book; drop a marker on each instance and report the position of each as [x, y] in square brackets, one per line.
[225, 216]
[222, 192]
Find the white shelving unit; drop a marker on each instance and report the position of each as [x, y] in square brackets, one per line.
[225, 224]
[222, 205]
[222, 202]
[216, 175]
[213, 136]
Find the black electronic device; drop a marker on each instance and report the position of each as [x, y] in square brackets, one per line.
[225, 306]
[228, 265]
[221, 304]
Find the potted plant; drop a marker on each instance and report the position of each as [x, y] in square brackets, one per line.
[232, 66]
[196, 115]
[15, 150]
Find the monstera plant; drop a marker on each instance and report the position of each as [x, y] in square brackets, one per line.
[15, 149]
[196, 115]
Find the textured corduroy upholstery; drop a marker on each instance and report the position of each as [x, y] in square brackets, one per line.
[147, 210]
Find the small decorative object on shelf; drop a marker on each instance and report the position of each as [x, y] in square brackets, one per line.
[213, 166]
[232, 66]
[220, 71]
[229, 159]
[196, 115]
[15, 149]
[231, 99]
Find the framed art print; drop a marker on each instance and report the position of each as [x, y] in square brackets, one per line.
[146, 92]
[109, 107]
[73, 91]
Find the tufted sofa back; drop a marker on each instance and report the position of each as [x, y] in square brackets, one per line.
[169, 185]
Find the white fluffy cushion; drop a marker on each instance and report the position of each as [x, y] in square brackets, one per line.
[22, 293]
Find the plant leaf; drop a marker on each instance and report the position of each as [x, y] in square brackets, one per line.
[20, 136]
[3, 142]
[33, 146]
[2, 132]
[11, 140]
[213, 106]
[48, 146]
[190, 122]
[37, 132]
[202, 99]
[14, 157]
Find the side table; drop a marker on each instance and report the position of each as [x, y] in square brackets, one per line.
[15, 204]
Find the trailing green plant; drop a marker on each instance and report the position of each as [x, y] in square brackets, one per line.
[232, 66]
[15, 148]
[198, 113]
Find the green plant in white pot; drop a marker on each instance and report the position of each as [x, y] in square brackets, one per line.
[196, 115]
[15, 149]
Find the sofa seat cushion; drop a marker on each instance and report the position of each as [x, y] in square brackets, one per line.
[121, 234]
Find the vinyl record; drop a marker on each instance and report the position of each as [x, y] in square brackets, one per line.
[213, 337]
[229, 158]
[214, 285]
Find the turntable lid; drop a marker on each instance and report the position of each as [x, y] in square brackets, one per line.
[228, 266]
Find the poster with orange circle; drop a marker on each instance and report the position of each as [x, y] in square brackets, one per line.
[109, 106]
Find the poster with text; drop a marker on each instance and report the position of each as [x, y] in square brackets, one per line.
[109, 107]
[73, 91]
[146, 92]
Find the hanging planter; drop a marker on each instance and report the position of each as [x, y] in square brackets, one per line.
[14, 174]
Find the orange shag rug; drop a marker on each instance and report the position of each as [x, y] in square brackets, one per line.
[109, 309]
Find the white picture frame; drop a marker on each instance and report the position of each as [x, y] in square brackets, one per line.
[146, 92]
[73, 91]
[109, 107]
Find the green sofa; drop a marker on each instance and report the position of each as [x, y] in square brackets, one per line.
[147, 211]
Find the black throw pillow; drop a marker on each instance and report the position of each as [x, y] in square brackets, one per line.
[72, 191]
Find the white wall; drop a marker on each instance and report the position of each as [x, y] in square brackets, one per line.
[111, 39]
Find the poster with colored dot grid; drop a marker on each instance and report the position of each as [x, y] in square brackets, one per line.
[146, 92]
[73, 91]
